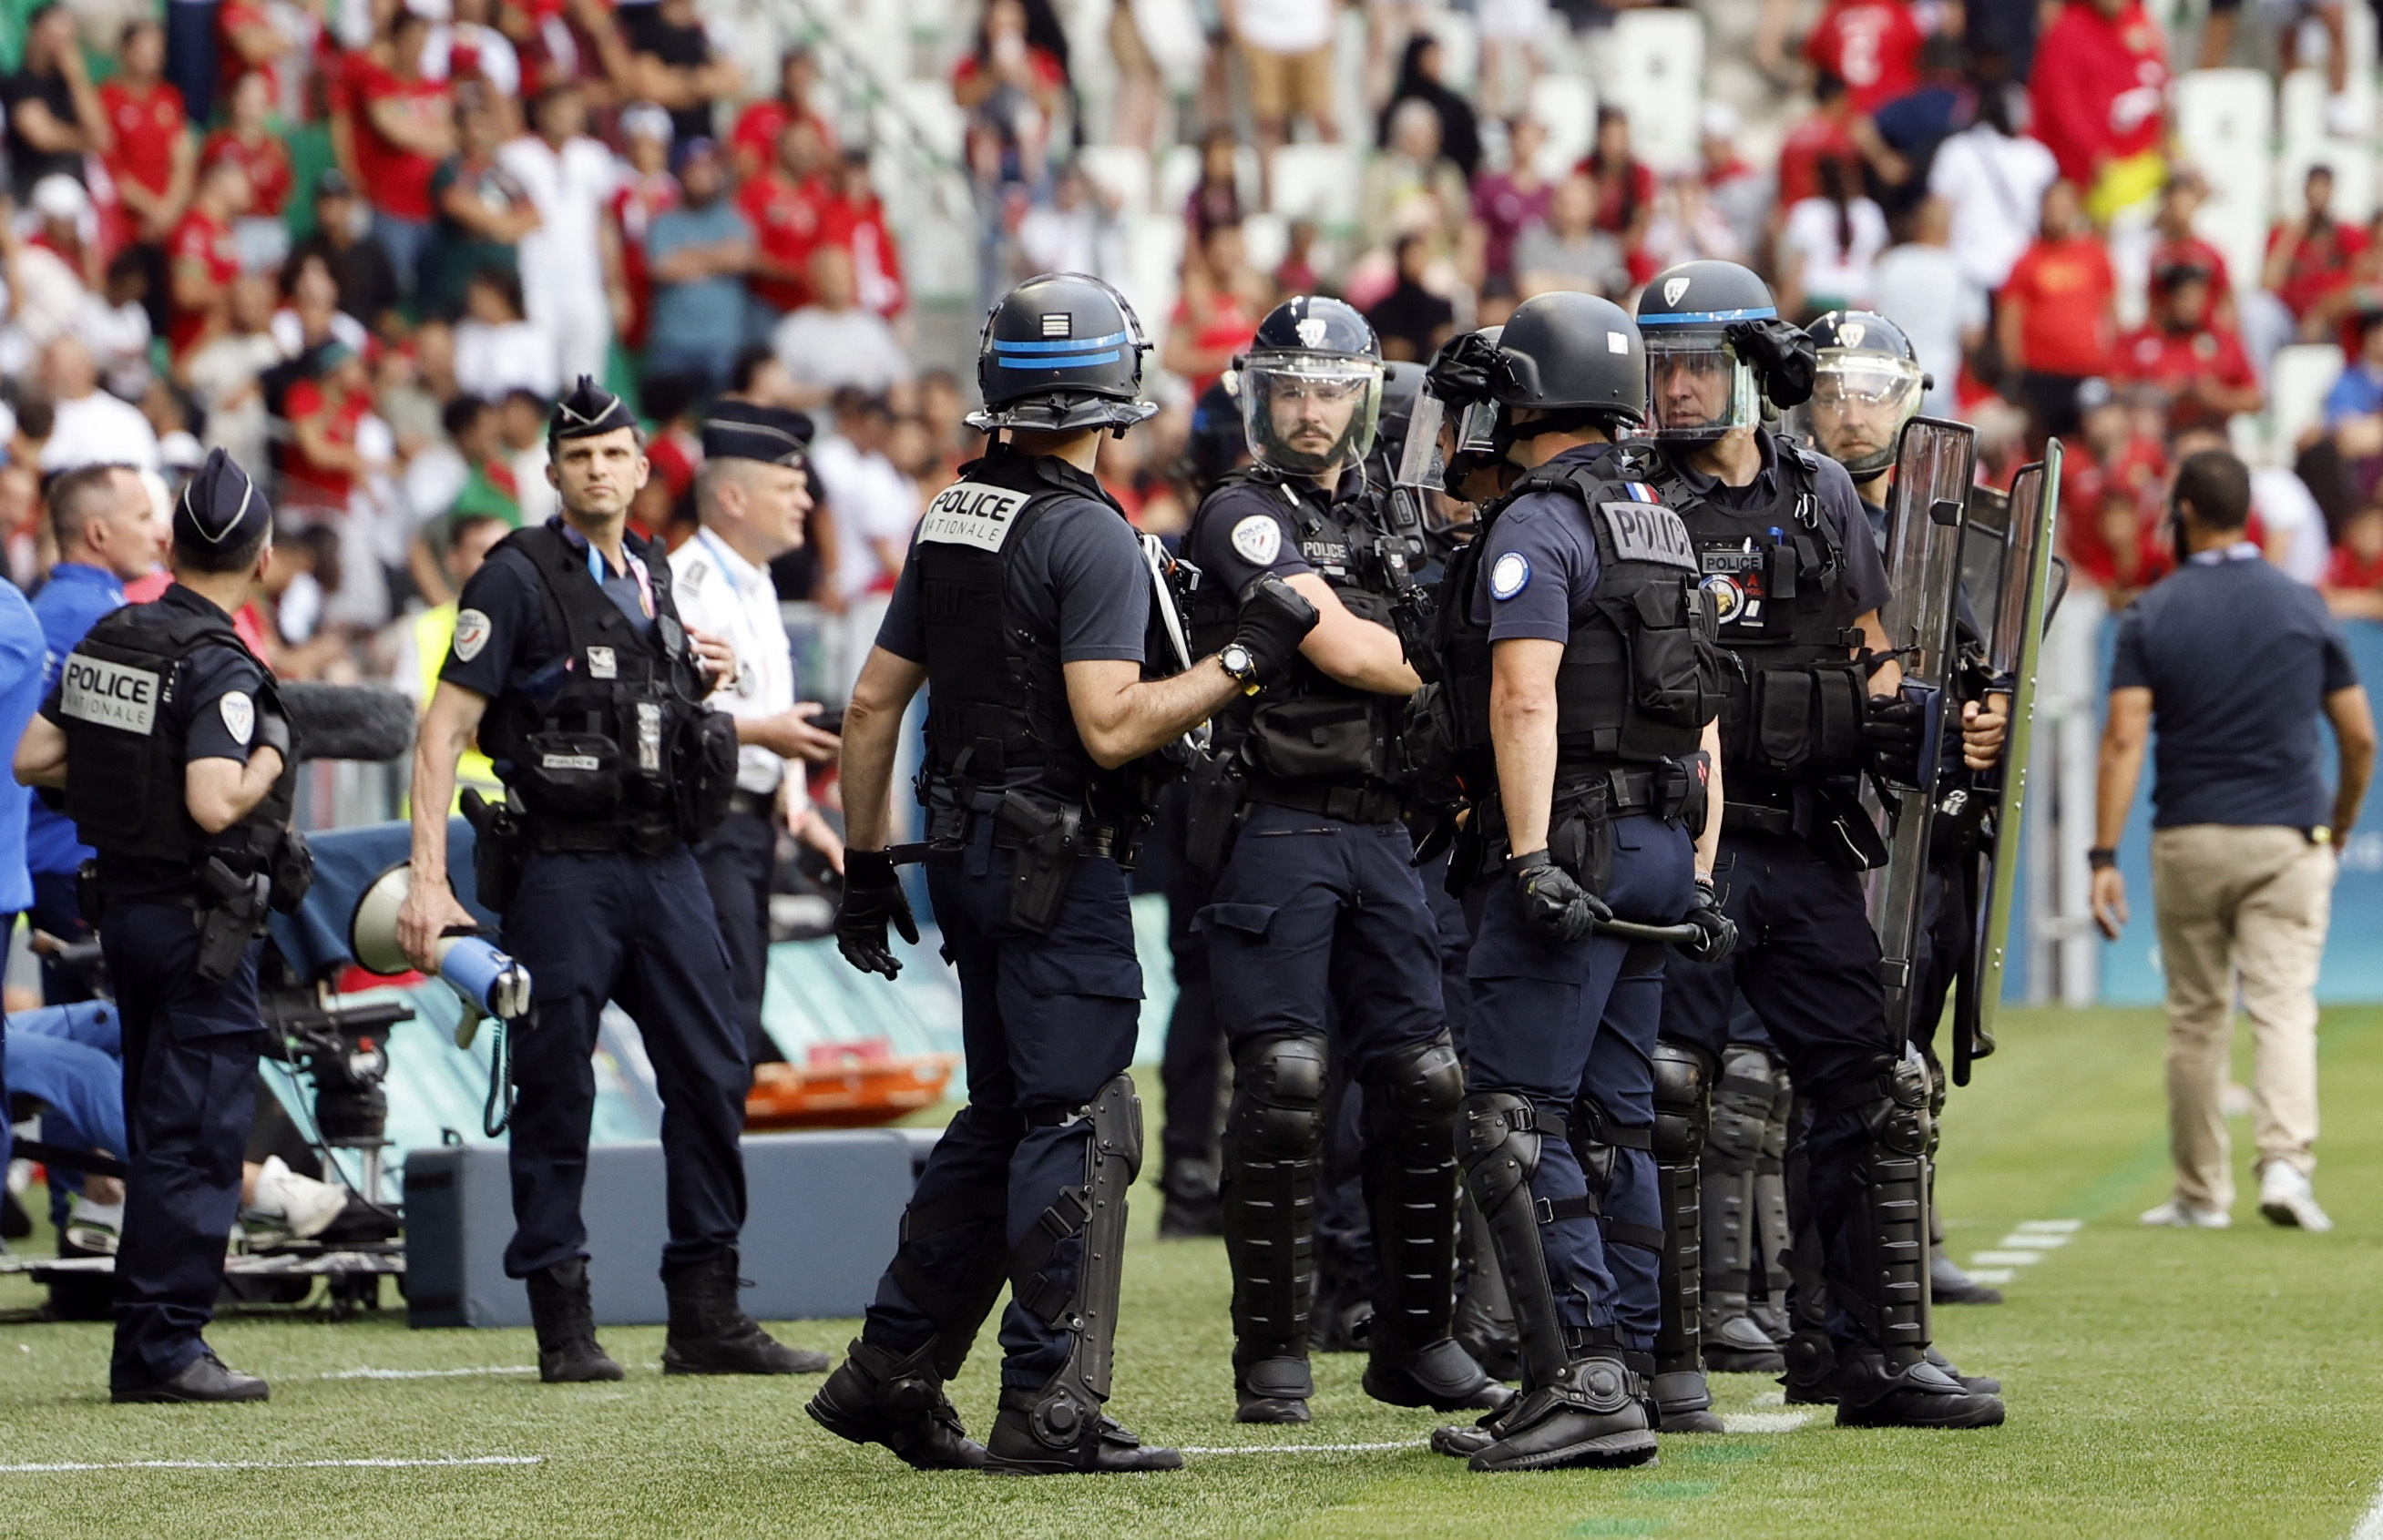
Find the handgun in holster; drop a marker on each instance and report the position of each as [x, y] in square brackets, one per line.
[1211, 811]
[499, 845]
[90, 903]
[1049, 847]
[234, 906]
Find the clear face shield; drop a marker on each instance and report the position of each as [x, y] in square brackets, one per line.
[1310, 414]
[1859, 404]
[1697, 389]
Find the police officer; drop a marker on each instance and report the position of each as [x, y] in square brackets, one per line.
[176, 758]
[750, 496]
[1584, 685]
[1026, 608]
[1317, 912]
[573, 670]
[1796, 587]
[1868, 384]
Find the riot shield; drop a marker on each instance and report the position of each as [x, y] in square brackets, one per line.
[1934, 464]
[2018, 607]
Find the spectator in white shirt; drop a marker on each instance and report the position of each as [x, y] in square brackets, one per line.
[92, 427]
[227, 374]
[1830, 243]
[496, 348]
[1919, 287]
[1077, 232]
[873, 507]
[1286, 47]
[572, 282]
[1993, 180]
[834, 342]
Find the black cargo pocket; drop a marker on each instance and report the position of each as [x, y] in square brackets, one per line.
[1313, 737]
[1253, 920]
[1046, 971]
[1783, 718]
[572, 775]
[1664, 663]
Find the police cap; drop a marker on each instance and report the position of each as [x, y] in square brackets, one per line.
[748, 430]
[220, 511]
[590, 412]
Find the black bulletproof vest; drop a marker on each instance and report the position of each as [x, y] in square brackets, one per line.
[601, 747]
[1775, 579]
[125, 746]
[1640, 674]
[1311, 727]
[997, 698]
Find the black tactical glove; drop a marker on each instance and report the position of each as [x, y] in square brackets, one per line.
[1891, 732]
[1783, 358]
[1468, 371]
[1552, 903]
[1718, 932]
[873, 895]
[1413, 616]
[273, 733]
[1275, 618]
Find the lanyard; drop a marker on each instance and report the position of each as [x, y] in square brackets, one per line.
[602, 575]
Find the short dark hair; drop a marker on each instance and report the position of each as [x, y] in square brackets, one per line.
[76, 496]
[2216, 486]
[201, 556]
[460, 524]
[748, 366]
[459, 414]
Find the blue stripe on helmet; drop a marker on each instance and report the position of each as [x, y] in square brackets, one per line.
[1061, 345]
[1063, 360]
[1710, 317]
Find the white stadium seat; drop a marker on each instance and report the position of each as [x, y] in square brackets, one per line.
[1153, 257]
[1319, 182]
[1566, 106]
[2224, 117]
[1266, 238]
[2297, 381]
[1122, 171]
[1653, 68]
[929, 104]
[1460, 49]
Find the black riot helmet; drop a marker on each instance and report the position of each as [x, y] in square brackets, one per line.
[1311, 388]
[1462, 432]
[1868, 384]
[1577, 358]
[1698, 387]
[1061, 352]
[1217, 446]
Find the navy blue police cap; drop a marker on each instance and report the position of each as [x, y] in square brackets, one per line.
[220, 508]
[748, 430]
[590, 412]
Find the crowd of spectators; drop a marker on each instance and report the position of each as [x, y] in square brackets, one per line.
[362, 248]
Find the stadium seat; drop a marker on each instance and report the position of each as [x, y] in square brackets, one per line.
[1122, 170]
[928, 105]
[2224, 117]
[2353, 177]
[1265, 237]
[1566, 106]
[1153, 255]
[1318, 182]
[1460, 49]
[1653, 69]
[2297, 381]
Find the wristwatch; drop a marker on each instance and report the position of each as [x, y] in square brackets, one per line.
[1237, 660]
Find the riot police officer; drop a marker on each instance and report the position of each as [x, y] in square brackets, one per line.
[1584, 685]
[570, 668]
[1868, 384]
[1317, 915]
[175, 755]
[1796, 587]
[1026, 608]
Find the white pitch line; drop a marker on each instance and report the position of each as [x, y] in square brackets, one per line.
[2033, 1241]
[2005, 1259]
[1764, 1422]
[2370, 1525]
[2050, 1227]
[426, 1374]
[1993, 1274]
[1300, 1449]
[67, 1467]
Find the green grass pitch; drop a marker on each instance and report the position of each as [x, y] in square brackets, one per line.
[2161, 1383]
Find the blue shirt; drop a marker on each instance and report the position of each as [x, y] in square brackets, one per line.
[2358, 393]
[1539, 563]
[20, 691]
[70, 604]
[709, 313]
[2239, 659]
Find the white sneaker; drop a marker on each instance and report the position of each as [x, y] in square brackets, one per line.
[304, 1204]
[2286, 1197]
[94, 1226]
[2176, 1213]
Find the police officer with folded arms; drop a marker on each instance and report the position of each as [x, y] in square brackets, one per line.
[750, 496]
[1026, 608]
[1580, 665]
[1796, 584]
[1316, 917]
[175, 757]
[572, 670]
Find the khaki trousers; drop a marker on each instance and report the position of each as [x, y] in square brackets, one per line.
[2247, 903]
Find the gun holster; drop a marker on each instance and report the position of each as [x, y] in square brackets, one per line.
[233, 907]
[500, 847]
[1212, 814]
[1048, 846]
[89, 902]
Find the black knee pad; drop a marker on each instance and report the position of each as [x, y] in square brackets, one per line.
[1683, 1081]
[1497, 1140]
[1278, 1084]
[1421, 1084]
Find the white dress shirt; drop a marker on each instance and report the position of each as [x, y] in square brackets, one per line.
[721, 593]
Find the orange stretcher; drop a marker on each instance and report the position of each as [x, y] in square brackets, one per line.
[846, 1085]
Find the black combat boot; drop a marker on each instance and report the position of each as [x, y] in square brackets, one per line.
[564, 1318]
[1871, 1394]
[1591, 1414]
[1947, 1285]
[876, 1397]
[1273, 1390]
[1439, 1374]
[1057, 1432]
[710, 1333]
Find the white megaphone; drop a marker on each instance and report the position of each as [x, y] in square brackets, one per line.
[490, 983]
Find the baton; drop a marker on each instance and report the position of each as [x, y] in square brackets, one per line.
[1661, 935]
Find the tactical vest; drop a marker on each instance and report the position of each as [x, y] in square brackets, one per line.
[997, 696]
[1311, 728]
[1775, 580]
[624, 749]
[125, 780]
[1640, 674]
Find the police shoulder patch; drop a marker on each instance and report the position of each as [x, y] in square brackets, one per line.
[972, 513]
[1510, 575]
[1258, 540]
[239, 715]
[472, 630]
[1647, 532]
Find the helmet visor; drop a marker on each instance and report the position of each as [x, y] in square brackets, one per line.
[1859, 404]
[1309, 414]
[1697, 389]
[1420, 461]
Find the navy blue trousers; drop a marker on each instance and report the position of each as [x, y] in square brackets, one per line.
[1554, 1022]
[190, 1093]
[1046, 1022]
[637, 930]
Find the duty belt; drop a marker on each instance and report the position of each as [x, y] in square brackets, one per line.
[759, 804]
[1760, 808]
[1097, 840]
[1628, 788]
[569, 837]
[1349, 804]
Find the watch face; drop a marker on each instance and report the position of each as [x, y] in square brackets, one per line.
[1236, 659]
